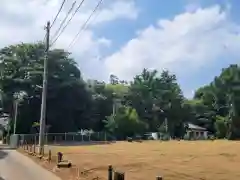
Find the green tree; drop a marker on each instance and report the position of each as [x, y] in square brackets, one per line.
[221, 97]
[156, 97]
[221, 127]
[67, 97]
[125, 123]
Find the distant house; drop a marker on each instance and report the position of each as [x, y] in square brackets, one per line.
[196, 132]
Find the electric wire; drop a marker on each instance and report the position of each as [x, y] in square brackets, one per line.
[64, 20]
[85, 24]
[75, 12]
[60, 9]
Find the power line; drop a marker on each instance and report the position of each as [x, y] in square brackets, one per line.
[76, 10]
[93, 19]
[62, 23]
[60, 9]
[85, 23]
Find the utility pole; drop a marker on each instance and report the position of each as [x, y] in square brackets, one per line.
[166, 124]
[114, 105]
[165, 121]
[44, 92]
[15, 115]
[114, 108]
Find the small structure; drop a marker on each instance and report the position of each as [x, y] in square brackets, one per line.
[196, 132]
[3, 125]
[151, 135]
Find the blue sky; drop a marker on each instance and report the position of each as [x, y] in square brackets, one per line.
[194, 39]
[150, 13]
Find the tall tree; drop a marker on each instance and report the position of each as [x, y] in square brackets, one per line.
[221, 97]
[156, 98]
[22, 69]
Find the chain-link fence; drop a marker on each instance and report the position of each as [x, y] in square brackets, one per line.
[66, 138]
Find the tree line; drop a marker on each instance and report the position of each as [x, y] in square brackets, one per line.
[119, 107]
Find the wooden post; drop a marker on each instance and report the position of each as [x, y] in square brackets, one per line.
[110, 172]
[35, 140]
[21, 144]
[77, 169]
[159, 178]
[46, 138]
[34, 149]
[119, 176]
[25, 145]
[49, 155]
[23, 139]
[59, 157]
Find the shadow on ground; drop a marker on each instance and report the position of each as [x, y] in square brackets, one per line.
[3, 154]
[87, 143]
[1, 178]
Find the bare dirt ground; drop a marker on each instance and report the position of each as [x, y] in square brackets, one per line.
[174, 160]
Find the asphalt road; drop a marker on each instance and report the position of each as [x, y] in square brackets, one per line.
[15, 166]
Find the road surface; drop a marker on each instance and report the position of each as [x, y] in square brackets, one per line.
[15, 166]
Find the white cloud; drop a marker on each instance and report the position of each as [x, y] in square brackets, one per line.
[192, 7]
[24, 20]
[183, 45]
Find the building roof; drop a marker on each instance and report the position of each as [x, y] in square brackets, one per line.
[196, 127]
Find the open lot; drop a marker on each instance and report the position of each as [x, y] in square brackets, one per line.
[174, 160]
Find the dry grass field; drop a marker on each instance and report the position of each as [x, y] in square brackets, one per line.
[174, 160]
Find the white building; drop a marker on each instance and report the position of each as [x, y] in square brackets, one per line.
[196, 132]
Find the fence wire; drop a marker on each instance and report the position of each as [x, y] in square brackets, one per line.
[61, 138]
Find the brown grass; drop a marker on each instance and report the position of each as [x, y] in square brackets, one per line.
[174, 160]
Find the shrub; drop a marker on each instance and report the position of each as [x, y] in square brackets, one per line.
[212, 137]
[129, 139]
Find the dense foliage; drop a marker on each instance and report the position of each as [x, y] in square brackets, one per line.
[119, 107]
